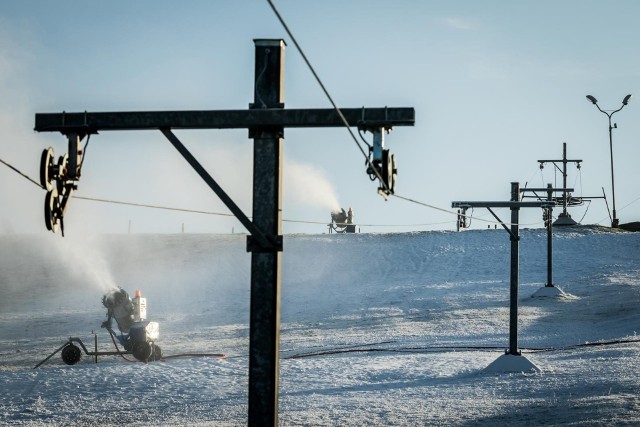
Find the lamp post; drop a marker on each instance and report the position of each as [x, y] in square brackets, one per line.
[625, 101]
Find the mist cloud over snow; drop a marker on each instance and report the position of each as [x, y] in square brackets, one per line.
[307, 184]
[22, 201]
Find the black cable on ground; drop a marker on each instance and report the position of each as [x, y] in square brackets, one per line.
[176, 356]
[446, 349]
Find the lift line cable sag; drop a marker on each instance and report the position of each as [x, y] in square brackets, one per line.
[346, 123]
[150, 206]
[326, 92]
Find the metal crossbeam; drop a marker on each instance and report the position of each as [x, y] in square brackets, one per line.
[561, 160]
[511, 205]
[523, 190]
[223, 119]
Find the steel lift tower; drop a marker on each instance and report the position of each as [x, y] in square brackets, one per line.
[265, 120]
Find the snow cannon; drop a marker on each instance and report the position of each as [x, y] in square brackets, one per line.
[342, 222]
[137, 334]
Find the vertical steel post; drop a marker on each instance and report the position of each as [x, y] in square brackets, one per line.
[549, 238]
[615, 221]
[264, 335]
[515, 254]
[565, 199]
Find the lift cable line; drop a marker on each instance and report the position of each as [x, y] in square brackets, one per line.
[20, 173]
[202, 212]
[196, 211]
[384, 183]
[315, 75]
[387, 185]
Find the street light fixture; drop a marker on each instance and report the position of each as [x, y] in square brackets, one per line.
[614, 221]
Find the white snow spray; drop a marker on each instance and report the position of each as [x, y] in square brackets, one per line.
[307, 184]
[85, 264]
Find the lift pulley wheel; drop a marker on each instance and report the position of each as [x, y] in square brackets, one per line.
[63, 162]
[47, 171]
[389, 172]
[52, 211]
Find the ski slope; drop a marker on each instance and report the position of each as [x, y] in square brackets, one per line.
[377, 329]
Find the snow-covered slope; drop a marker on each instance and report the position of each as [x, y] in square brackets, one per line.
[377, 329]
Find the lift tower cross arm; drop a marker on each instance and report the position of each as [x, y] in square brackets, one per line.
[265, 120]
[223, 119]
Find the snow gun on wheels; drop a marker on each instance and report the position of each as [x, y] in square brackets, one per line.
[137, 335]
[342, 222]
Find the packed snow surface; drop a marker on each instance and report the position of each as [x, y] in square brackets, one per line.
[377, 329]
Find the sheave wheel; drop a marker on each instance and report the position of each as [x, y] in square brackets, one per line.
[51, 207]
[46, 165]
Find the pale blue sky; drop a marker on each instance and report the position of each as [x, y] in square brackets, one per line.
[496, 86]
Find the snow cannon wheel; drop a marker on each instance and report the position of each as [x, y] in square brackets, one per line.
[71, 354]
[142, 351]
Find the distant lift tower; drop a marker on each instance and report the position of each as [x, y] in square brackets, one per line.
[520, 363]
[564, 219]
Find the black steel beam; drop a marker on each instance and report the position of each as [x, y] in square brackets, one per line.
[511, 204]
[229, 203]
[545, 189]
[223, 119]
[266, 267]
[515, 271]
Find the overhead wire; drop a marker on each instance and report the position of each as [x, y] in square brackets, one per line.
[196, 211]
[326, 92]
[348, 127]
[20, 173]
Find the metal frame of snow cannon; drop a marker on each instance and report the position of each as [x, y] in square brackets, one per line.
[137, 334]
[142, 348]
[60, 179]
[71, 353]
